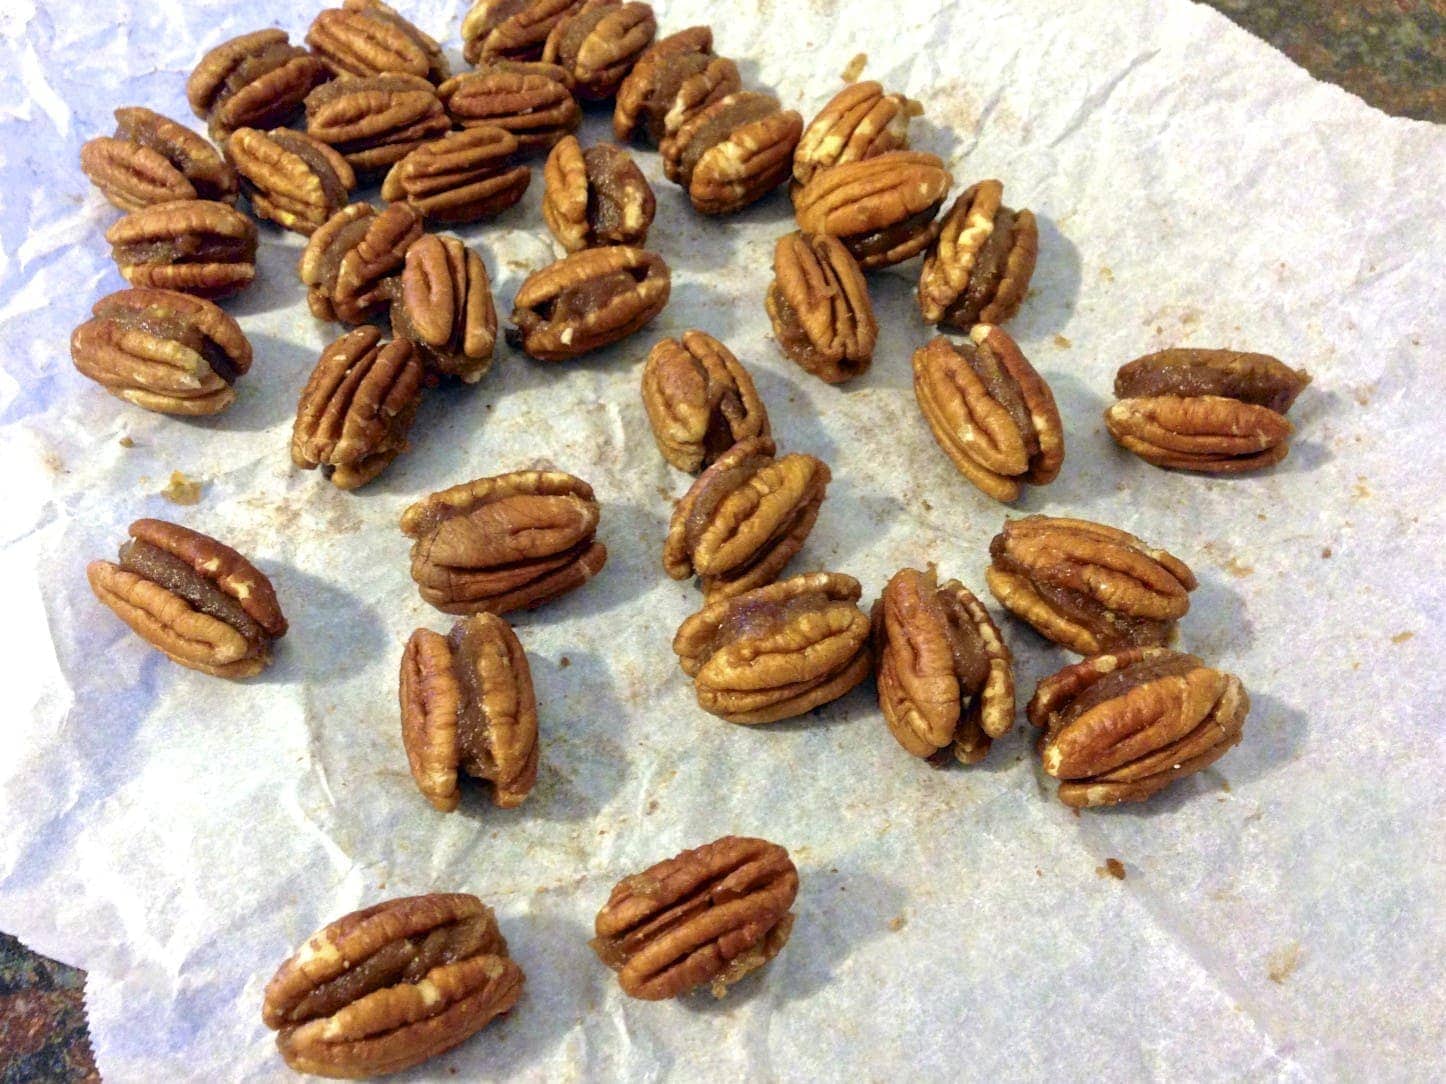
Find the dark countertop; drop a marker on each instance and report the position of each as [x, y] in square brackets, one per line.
[1391, 53]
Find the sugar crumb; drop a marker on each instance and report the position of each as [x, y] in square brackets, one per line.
[855, 67]
[182, 490]
[1402, 637]
[1235, 568]
[1280, 964]
[1061, 342]
[126, 442]
[1113, 867]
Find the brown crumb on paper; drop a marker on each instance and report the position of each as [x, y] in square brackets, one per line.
[1113, 867]
[126, 442]
[563, 663]
[855, 67]
[1282, 962]
[1402, 637]
[1061, 342]
[182, 490]
[897, 923]
[1235, 568]
[1326, 553]
[1107, 274]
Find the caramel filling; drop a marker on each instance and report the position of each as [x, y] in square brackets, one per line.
[252, 68]
[883, 241]
[1005, 391]
[614, 207]
[180, 331]
[178, 577]
[988, 270]
[1122, 681]
[1188, 378]
[184, 248]
[474, 729]
[331, 187]
[744, 109]
[971, 661]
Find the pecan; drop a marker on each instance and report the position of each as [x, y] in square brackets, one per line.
[744, 518]
[195, 600]
[258, 80]
[463, 177]
[443, 304]
[348, 264]
[881, 208]
[700, 400]
[777, 651]
[990, 411]
[599, 43]
[819, 306]
[366, 37]
[290, 178]
[1089, 587]
[1122, 726]
[354, 413]
[732, 152]
[709, 915]
[677, 76]
[499, 544]
[195, 246]
[152, 159]
[383, 989]
[945, 674]
[164, 351]
[1217, 411]
[534, 102]
[595, 197]
[467, 702]
[978, 270]
[511, 29]
[375, 120]
[588, 300]
[859, 122]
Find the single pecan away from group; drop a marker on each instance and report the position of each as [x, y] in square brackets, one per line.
[1123, 726]
[152, 159]
[348, 263]
[978, 270]
[366, 37]
[675, 78]
[732, 152]
[819, 306]
[599, 43]
[192, 598]
[588, 300]
[465, 176]
[443, 304]
[290, 178]
[532, 101]
[597, 196]
[383, 989]
[511, 29]
[881, 208]
[859, 122]
[195, 246]
[374, 121]
[707, 916]
[700, 400]
[258, 80]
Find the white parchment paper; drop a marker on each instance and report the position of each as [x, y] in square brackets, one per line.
[1282, 914]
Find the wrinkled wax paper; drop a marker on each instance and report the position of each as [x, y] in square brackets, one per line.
[1282, 913]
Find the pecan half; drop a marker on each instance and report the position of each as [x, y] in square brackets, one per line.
[355, 411]
[677, 76]
[195, 246]
[595, 197]
[152, 159]
[744, 518]
[511, 29]
[465, 176]
[164, 351]
[978, 270]
[599, 43]
[258, 80]
[467, 702]
[587, 300]
[819, 306]
[732, 152]
[859, 122]
[290, 178]
[946, 677]
[443, 304]
[1216, 411]
[1089, 587]
[383, 989]
[881, 208]
[534, 102]
[1123, 726]
[777, 651]
[709, 915]
[375, 120]
[502, 543]
[990, 411]
[700, 400]
[348, 264]
[366, 37]
[195, 600]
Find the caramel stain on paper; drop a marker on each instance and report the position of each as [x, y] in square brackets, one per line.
[1281, 963]
[126, 442]
[1107, 275]
[855, 67]
[1360, 490]
[1402, 637]
[53, 463]
[1235, 568]
[897, 923]
[1362, 394]
[1325, 554]
[183, 490]
[1061, 342]
[1113, 867]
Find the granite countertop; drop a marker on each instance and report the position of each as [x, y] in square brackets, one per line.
[1391, 53]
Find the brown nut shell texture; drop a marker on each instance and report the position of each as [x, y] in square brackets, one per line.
[194, 246]
[503, 543]
[819, 306]
[465, 176]
[443, 304]
[152, 159]
[945, 675]
[374, 121]
[511, 29]
[978, 270]
[859, 122]
[990, 411]
[732, 152]
[532, 101]
[707, 916]
[881, 208]
[383, 989]
[777, 651]
[1123, 726]
[290, 178]
[367, 37]
[676, 77]
[348, 263]
[588, 300]
[700, 400]
[258, 80]
[1089, 587]
[597, 196]
[194, 599]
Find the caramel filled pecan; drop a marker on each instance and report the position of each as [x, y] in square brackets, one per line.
[732, 152]
[677, 76]
[859, 122]
[532, 101]
[978, 270]
[819, 306]
[443, 304]
[881, 208]
[366, 37]
[348, 263]
[290, 178]
[463, 177]
[374, 121]
[700, 400]
[599, 43]
[511, 29]
[152, 159]
[588, 300]
[194, 246]
[597, 196]
[258, 80]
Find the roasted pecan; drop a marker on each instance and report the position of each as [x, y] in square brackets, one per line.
[881, 208]
[195, 246]
[700, 400]
[744, 518]
[499, 544]
[375, 120]
[443, 304]
[467, 702]
[290, 178]
[709, 915]
[366, 37]
[732, 152]
[511, 29]
[1217, 411]
[946, 677]
[462, 177]
[152, 159]
[258, 80]
[677, 76]
[599, 43]
[777, 651]
[164, 351]
[978, 270]
[990, 411]
[386, 988]
[534, 102]
[195, 600]
[819, 306]
[595, 197]
[1089, 587]
[859, 122]
[354, 413]
[587, 300]
[1120, 727]
[348, 264]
